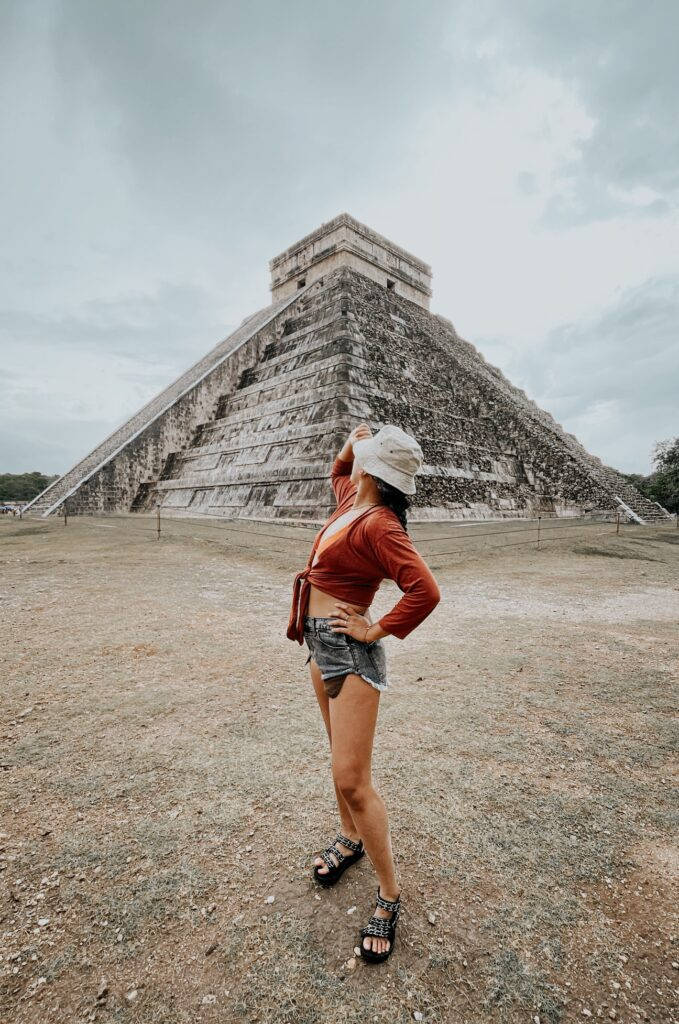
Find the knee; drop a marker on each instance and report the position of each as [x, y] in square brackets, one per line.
[353, 786]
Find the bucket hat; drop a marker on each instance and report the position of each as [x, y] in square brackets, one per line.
[392, 455]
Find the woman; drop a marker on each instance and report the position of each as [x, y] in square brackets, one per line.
[363, 542]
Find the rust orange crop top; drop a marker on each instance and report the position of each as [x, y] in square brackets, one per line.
[324, 541]
[351, 565]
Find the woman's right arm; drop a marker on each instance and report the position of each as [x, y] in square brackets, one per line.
[343, 463]
[339, 475]
[347, 452]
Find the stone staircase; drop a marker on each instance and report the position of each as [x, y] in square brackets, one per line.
[53, 496]
[647, 511]
[265, 454]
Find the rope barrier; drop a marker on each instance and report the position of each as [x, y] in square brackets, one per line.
[131, 529]
[226, 526]
[490, 547]
[543, 539]
[56, 524]
[566, 525]
[487, 533]
[461, 551]
[502, 533]
[536, 526]
[561, 529]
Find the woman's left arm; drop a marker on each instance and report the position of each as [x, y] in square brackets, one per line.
[401, 562]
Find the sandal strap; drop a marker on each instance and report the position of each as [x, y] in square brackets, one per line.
[393, 905]
[351, 844]
[380, 927]
[326, 855]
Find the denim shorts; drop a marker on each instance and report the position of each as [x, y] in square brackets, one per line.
[338, 653]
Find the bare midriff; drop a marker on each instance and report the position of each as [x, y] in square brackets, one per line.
[322, 604]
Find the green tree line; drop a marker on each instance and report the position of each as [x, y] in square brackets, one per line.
[662, 485]
[23, 486]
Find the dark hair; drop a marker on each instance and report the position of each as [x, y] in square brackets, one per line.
[393, 499]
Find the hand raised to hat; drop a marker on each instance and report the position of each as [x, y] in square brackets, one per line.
[357, 434]
[348, 620]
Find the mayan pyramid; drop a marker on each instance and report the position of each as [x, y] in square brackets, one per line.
[250, 430]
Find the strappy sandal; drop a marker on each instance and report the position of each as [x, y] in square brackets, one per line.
[381, 928]
[344, 860]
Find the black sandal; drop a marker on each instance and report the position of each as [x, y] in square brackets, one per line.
[381, 928]
[344, 860]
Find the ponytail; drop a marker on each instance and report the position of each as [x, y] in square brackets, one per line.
[394, 499]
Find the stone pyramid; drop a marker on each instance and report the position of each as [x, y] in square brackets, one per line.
[250, 431]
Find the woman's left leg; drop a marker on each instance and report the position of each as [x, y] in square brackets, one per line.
[353, 716]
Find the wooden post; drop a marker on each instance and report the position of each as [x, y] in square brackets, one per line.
[617, 522]
[65, 514]
[158, 520]
[539, 520]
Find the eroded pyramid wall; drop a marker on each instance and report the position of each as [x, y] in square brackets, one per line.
[357, 352]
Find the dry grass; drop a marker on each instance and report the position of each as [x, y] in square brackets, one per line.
[166, 770]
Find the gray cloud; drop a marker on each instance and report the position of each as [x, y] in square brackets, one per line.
[591, 374]
[157, 154]
[173, 323]
[72, 377]
[620, 58]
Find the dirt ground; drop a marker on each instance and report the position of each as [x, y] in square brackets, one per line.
[166, 783]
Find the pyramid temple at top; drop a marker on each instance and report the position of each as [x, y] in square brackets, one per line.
[250, 430]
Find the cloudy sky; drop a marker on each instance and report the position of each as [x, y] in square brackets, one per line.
[156, 154]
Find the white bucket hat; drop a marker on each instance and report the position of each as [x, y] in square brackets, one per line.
[392, 455]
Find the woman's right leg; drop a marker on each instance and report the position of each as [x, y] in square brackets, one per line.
[348, 826]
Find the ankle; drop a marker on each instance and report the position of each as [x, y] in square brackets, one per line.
[392, 895]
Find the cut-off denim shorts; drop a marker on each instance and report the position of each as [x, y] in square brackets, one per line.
[338, 653]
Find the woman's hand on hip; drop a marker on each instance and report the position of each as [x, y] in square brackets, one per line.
[349, 621]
